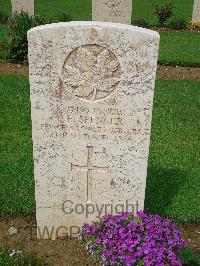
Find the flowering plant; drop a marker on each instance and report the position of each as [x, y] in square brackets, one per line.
[125, 239]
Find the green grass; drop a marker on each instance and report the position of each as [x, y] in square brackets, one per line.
[82, 9]
[18, 259]
[4, 31]
[173, 176]
[16, 180]
[180, 48]
[190, 257]
[3, 40]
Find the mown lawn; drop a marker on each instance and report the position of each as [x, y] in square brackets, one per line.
[173, 178]
[16, 180]
[82, 9]
[173, 175]
[180, 48]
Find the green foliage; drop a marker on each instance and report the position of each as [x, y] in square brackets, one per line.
[19, 24]
[65, 17]
[4, 42]
[182, 9]
[17, 258]
[163, 12]
[3, 18]
[141, 22]
[190, 257]
[178, 24]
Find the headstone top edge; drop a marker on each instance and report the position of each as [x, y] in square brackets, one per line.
[94, 24]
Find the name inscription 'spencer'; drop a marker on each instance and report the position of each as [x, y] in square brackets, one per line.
[91, 72]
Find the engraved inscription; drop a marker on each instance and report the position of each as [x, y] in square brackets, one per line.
[112, 3]
[112, 124]
[91, 72]
[89, 168]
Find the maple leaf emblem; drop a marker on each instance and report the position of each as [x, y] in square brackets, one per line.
[91, 72]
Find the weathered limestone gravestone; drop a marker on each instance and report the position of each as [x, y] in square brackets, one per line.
[112, 10]
[92, 87]
[25, 5]
[196, 12]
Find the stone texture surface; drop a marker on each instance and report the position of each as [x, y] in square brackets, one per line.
[196, 12]
[25, 5]
[92, 87]
[12, 231]
[118, 11]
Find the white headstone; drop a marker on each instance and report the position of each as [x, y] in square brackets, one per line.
[196, 12]
[118, 11]
[92, 87]
[23, 5]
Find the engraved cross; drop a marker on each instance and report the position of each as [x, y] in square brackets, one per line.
[89, 169]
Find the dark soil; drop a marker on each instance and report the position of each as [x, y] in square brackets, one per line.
[7, 68]
[167, 72]
[53, 252]
[65, 251]
[191, 234]
[170, 72]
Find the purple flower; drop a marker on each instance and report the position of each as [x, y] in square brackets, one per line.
[98, 241]
[94, 229]
[87, 229]
[128, 240]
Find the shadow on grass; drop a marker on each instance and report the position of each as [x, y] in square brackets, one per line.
[162, 186]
